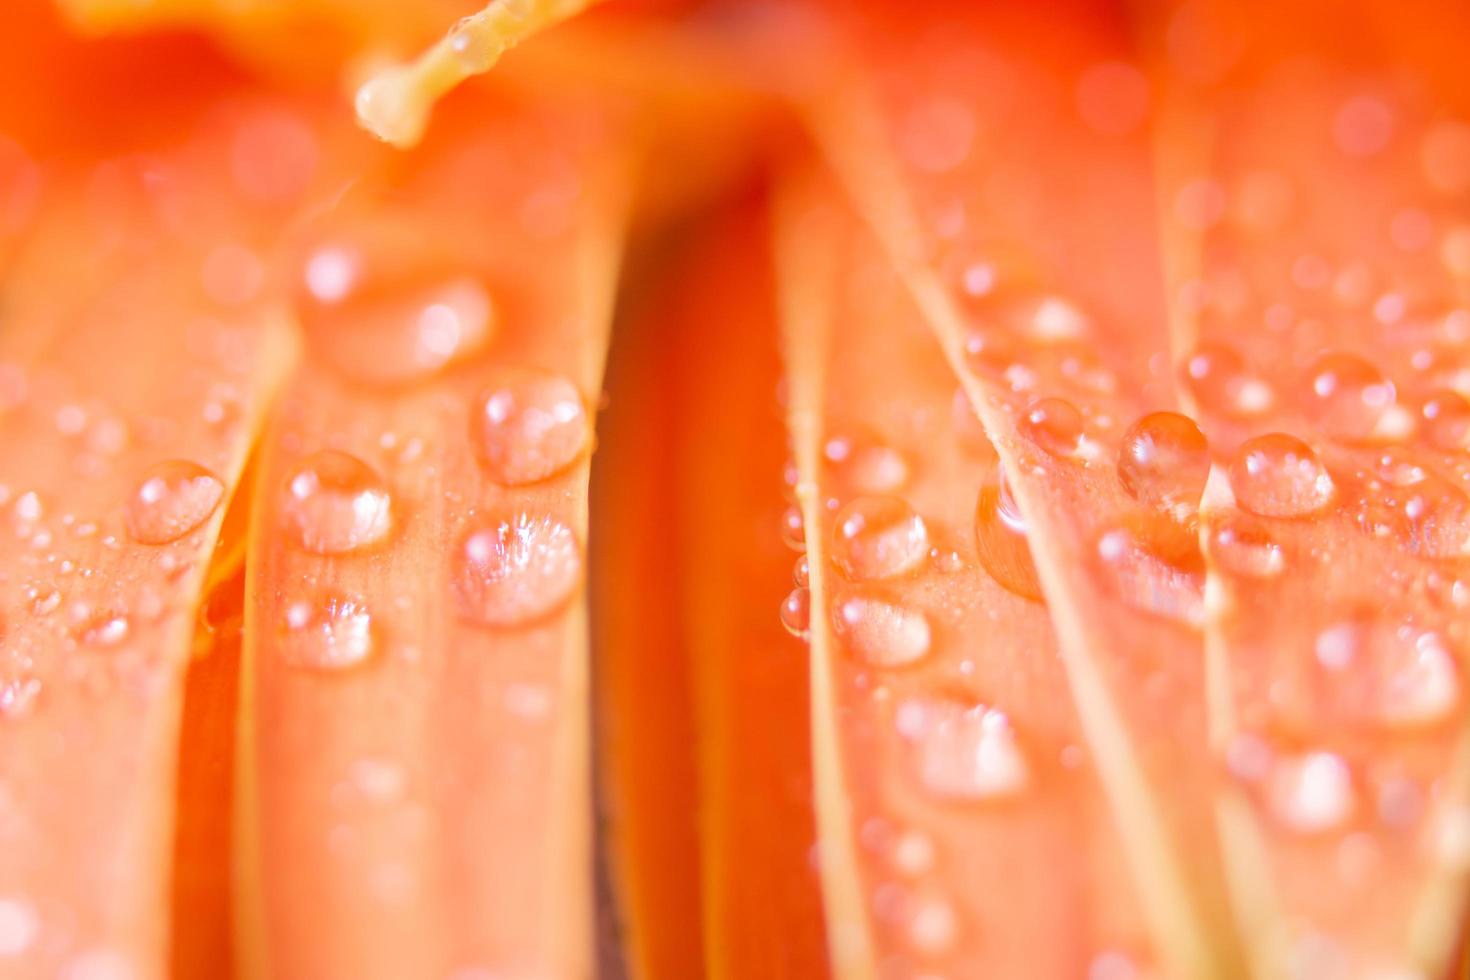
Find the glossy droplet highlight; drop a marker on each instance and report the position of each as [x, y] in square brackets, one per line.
[1278, 475]
[1218, 378]
[878, 537]
[1446, 417]
[793, 528]
[1246, 549]
[515, 569]
[1310, 793]
[963, 752]
[1001, 543]
[865, 465]
[1148, 581]
[530, 428]
[334, 503]
[107, 628]
[1346, 396]
[796, 612]
[1376, 673]
[1055, 425]
[1164, 461]
[172, 499]
[325, 632]
[882, 633]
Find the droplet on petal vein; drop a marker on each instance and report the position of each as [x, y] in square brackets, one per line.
[529, 429]
[172, 499]
[335, 503]
[515, 569]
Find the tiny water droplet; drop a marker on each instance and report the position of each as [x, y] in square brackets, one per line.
[801, 572]
[107, 628]
[335, 503]
[173, 498]
[1446, 416]
[1277, 475]
[882, 633]
[1310, 793]
[529, 429]
[1222, 384]
[962, 751]
[18, 695]
[1055, 425]
[878, 537]
[1346, 396]
[796, 612]
[326, 632]
[1164, 461]
[793, 528]
[865, 465]
[515, 569]
[1246, 549]
[932, 924]
[1000, 540]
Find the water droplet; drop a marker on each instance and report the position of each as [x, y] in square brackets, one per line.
[864, 465]
[392, 332]
[912, 853]
[1277, 475]
[18, 695]
[173, 498]
[28, 508]
[796, 612]
[1055, 425]
[878, 537]
[801, 572]
[793, 528]
[43, 599]
[1346, 395]
[1399, 496]
[19, 926]
[335, 503]
[529, 429]
[378, 780]
[882, 633]
[1150, 582]
[1000, 541]
[515, 569]
[326, 632]
[1447, 420]
[1311, 793]
[1372, 672]
[1164, 461]
[932, 924]
[962, 751]
[107, 628]
[1222, 384]
[1246, 549]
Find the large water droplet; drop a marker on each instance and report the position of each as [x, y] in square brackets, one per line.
[962, 751]
[173, 498]
[515, 569]
[325, 632]
[878, 537]
[1346, 396]
[391, 332]
[1277, 475]
[1000, 541]
[882, 633]
[1310, 793]
[1055, 425]
[1222, 384]
[335, 503]
[796, 612]
[1164, 461]
[530, 428]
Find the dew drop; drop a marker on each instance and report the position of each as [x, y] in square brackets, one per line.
[882, 633]
[1000, 541]
[801, 572]
[107, 628]
[173, 498]
[529, 429]
[962, 752]
[1222, 384]
[326, 632]
[1277, 475]
[796, 612]
[932, 924]
[394, 332]
[1371, 672]
[878, 537]
[1346, 395]
[1246, 549]
[865, 465]
[19, 926]
[1310, 793]
[793, 528]
[1055, 425]
[18, 695]
[1446, 416]
[1164, 461]
[335, 503]
[515, 569]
